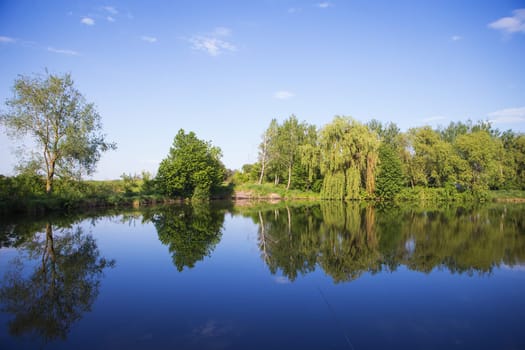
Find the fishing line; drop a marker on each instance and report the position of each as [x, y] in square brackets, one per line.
[336, 319]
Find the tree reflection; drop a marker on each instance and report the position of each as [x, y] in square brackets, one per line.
[62, 282]
[349, 239]
[190, 231]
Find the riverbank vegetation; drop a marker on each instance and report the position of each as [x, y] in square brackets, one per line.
[348, 160]
[342, 160]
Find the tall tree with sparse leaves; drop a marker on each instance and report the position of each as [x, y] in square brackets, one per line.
[65, 129]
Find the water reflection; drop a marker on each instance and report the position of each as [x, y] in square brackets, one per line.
[191, 232]
[54, 281]
[347, 240]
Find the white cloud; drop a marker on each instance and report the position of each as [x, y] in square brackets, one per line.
[508, 115]
[214, 43]
[509, 25]
[211, 46]
[87, 21]
[324, 5]
[456, 37]
[149, 39]
[110, 19]
[63, 51]
[283, 95]
[110, 9]
[294, 10]
[7, 40]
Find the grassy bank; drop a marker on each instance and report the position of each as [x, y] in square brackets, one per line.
[25, 195]
[509, 196]
[416, 194]
[272, 192]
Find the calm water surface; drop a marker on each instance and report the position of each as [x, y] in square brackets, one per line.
[322, 276]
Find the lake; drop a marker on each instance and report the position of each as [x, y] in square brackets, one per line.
[324, 275]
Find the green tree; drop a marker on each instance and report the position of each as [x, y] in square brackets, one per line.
[388, 133]
[310, 157]
[514, 159]
[455, 129]
[66, 130]
[483, 153]
[390, 175]
[192, 169]
[434, 161]
[348, 156]
[291, 137]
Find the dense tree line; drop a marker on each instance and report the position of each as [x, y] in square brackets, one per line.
[346, 159]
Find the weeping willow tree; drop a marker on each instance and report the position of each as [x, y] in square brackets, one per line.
[348, 158]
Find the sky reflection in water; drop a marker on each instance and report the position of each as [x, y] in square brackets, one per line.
[319, 277]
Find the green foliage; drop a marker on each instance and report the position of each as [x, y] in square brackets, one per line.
[334, 186]
[513, 160]
[353, 183]
[434, 161]
[346, 148]
[390, 175]
[249, 173]
[65, 129]
[483, 153]
[192, 169]
[288, 151]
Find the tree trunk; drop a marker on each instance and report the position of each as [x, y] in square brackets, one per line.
[263, 160]
[49, 179]
[289, 177]
[262, 172]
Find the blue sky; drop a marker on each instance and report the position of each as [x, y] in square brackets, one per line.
[224, 69]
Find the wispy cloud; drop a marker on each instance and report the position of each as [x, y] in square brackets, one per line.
[110, 19]
[508, 116]
[456, 37]
[149, 39]
[294, 10]
[110, 9]
[324, 5]
[283, 95]
[63, 51]
[7, 40]
[87, 21]
[510, 25]
[213, 43]
[35, 45]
